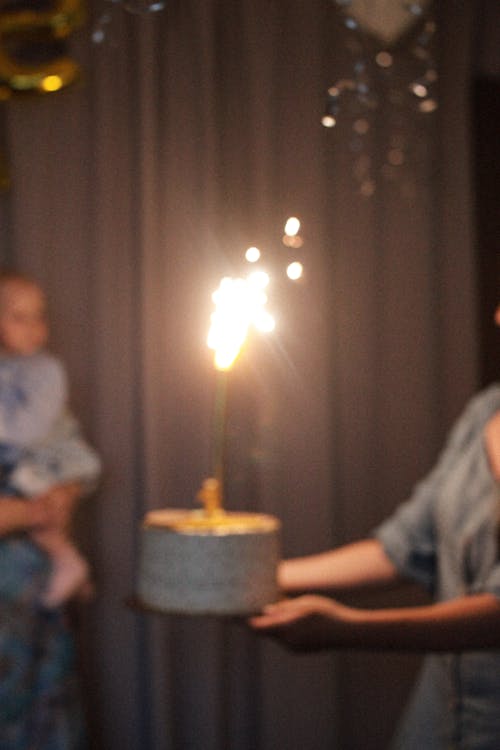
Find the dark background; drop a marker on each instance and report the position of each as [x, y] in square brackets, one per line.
[192, 134]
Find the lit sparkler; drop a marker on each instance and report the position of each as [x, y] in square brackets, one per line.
[240, 305]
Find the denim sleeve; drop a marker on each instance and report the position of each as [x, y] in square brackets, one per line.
[409, 535]
[492, 583]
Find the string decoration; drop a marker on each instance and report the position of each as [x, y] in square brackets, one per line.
[101, 29]
[392, 69]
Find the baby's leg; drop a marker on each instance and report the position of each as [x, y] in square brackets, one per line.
[70, 574]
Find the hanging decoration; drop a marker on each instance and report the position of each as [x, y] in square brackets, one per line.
[33, 57]
[100, 32]
[391, 45]
[386, 20]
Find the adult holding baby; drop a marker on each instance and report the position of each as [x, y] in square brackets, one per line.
[45, 468]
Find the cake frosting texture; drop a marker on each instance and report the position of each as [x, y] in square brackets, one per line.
[223, 564]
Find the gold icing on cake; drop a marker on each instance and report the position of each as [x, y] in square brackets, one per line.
[219, 522]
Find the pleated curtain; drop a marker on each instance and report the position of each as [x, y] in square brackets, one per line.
[193, 134]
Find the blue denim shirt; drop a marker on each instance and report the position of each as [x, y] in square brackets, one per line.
[445, 537]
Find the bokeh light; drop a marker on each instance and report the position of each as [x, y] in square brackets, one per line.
[292, 241]
[419, 89]
[252, 255]
[52, 83]
[384, 59]
[295, 270]
[361, 126]
[328, 121]
[292, 226]
[428, 105]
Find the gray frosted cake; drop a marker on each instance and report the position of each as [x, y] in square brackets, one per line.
[222, 563]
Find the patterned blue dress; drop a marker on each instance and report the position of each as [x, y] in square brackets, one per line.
[40, 445]
[446, 538]
[39, 701]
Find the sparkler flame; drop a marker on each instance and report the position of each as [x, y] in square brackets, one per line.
[239, 304]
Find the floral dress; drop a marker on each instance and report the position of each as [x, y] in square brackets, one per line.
[39, 702]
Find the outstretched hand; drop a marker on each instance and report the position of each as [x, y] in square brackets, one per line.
[305, 623]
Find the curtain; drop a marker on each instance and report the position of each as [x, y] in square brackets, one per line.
[193, 134]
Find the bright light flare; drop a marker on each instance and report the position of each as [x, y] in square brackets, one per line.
[52, 83]
[295, 271]
[264, 322]
[252, 255]
[292, 226]
[258, 280]
[239, 304]
[419, 89]
[328, 121]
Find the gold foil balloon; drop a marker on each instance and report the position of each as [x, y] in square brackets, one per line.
[32, 46]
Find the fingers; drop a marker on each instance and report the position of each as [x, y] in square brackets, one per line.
[289, 611]
[279, 613]
[304, 624]
[298, 627]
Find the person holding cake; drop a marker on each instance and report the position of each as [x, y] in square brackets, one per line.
[45, 467]
[446, 538]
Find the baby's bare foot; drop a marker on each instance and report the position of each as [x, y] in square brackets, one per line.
[69, 578]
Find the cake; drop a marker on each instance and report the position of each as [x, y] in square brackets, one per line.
[211, 563]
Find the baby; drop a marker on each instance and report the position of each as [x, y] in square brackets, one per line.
[42, 453]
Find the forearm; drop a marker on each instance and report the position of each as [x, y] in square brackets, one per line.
[310, 623]
[354, 565]
[19, 515]
[467, 623]
[51, 510]
[62, 501]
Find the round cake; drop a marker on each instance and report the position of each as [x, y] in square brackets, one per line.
[219, 563]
